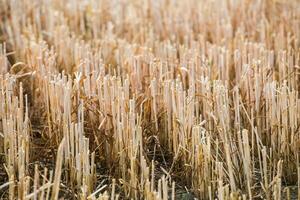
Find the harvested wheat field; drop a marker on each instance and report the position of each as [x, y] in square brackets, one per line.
[149, 99]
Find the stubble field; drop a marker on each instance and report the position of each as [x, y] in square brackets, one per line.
[149, 99]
